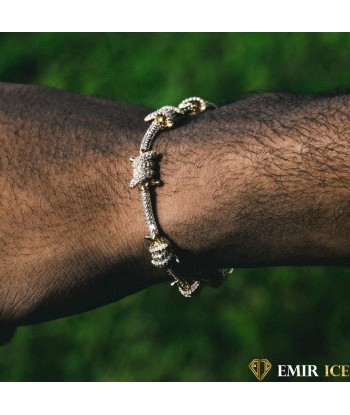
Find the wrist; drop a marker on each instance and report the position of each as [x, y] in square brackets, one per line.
[203, 185]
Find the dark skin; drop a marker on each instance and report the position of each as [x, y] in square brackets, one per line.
[260, 182]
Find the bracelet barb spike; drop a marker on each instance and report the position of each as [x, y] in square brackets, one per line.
[144, 177]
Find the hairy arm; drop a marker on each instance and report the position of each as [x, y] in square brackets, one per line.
[263, 181]
[267, 182]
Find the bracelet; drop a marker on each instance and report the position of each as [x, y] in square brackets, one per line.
[145, 178]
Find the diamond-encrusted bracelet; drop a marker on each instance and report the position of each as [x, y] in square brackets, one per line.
[144, 177]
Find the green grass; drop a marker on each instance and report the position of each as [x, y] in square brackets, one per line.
[288, 315]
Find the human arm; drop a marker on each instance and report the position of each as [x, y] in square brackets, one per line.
[263, 181]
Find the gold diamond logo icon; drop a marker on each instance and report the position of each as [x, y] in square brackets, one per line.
[260, 367]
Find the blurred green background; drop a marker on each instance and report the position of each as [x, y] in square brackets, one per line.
[288, 315]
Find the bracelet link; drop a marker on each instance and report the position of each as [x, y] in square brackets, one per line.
[143, 168]
[195, 105]
[161, 252]
[165, 116]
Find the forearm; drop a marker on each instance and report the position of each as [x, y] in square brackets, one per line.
[67, 217]
[263, 181]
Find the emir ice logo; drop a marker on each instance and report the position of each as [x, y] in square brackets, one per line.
[260, 367]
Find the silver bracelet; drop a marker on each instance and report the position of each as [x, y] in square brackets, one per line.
[144, 177]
